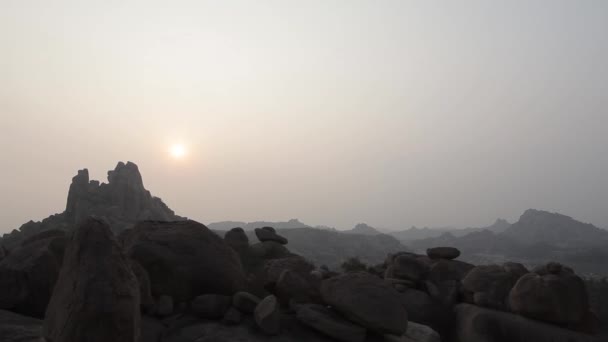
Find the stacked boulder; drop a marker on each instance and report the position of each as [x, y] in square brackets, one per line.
[429, 285]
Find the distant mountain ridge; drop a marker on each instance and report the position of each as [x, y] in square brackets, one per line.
[227, 225]
[415, 233]
[537, 226]
[538, 235]
[363, 229]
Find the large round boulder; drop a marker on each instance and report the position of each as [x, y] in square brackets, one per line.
[423, 309]
[490, 284]
[329, 323]
[477, 324]
[407, 267]
[29, 272]
[184, 259]
[556, 296]
[237, 239]
[96, 297]
[443, 253]
[366, 300]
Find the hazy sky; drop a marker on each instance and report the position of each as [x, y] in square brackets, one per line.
[394, 113]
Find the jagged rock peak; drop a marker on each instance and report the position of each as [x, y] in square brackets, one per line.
[122, 199]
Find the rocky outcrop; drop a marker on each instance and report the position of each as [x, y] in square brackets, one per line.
[551, 293]
[245, 302]
[489, 285]
[267, 315]
[211, 306]
[184, 259]
[366, 300]
[18, 328]
[330, 323]
[122, 201]
[476, 324]
[29, 272]
[269, 234]
[96, 297]
[237, 239]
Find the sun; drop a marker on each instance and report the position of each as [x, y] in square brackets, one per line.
[177, 151]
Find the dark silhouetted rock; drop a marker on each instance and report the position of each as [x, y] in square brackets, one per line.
[443, 253]
[275, 267]
[415, 333]
[245, 301]
[477, 324]
[366, 300]
[269, 234]
[164, 307]
[407, 267]
[237, 239]
[96, 297]
[269, 250]
[329, 323]
[122, 201]
[211, 306]
[556, 296]
[145, 294]
[151, 329]
[491, 284]
[29, 272]
[267, 315]
[423, 309]
[292, 287]
[17, 328]
[444, 270]
[184, 259]
[232, 317]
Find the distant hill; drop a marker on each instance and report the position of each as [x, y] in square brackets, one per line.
[538, 236]
[536, 226]
[415, 233]
[332, 247]
[227, 225]
[363, 229]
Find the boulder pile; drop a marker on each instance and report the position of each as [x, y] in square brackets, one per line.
[180, 282]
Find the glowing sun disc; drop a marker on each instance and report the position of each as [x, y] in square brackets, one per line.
[177, 151]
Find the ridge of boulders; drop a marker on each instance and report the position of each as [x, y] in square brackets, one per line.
[179, 281]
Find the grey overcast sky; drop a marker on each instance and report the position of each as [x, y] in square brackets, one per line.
[394, 113]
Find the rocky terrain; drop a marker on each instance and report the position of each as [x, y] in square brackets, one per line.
[178, 281]
[118, 265]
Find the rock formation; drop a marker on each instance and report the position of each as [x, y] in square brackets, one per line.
[184, 259]
[96, 297]
[122, 202]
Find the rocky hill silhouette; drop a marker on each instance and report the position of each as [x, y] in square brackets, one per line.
[122, 202]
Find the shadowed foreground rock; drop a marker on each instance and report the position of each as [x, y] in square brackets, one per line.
[366, 300]
[17, 328]
[184, 259]
[476, 324]
[553, 294]
[28, 274]
[96, 298]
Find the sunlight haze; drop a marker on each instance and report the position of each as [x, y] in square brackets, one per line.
[393, 113]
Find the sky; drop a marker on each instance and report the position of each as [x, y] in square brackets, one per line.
[393, 113]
